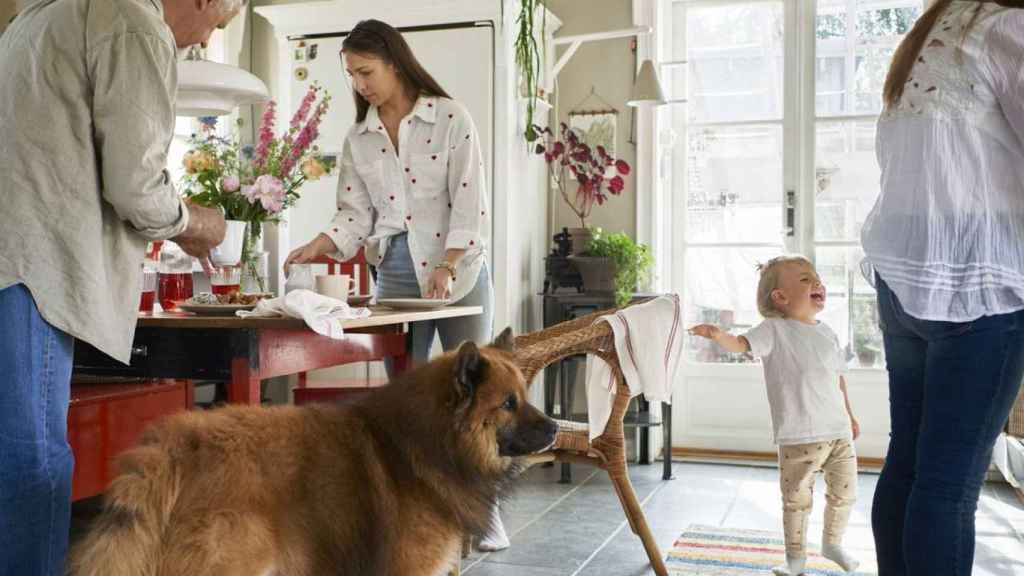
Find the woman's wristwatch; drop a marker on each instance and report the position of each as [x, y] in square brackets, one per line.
[446, 265]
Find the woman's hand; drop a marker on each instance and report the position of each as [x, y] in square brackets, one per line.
[316, 248]
[856, 427]
[440, 284]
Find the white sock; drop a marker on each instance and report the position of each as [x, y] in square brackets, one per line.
[496, 539]
[794, 566]
[835, 553]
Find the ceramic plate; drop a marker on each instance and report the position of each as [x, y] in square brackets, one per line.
[412, 303]
[214, 309]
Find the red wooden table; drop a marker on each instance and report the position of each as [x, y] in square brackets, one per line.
[243, 351]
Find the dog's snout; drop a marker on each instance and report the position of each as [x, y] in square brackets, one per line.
[550, 427]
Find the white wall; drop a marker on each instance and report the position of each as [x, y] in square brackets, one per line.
[607, 66]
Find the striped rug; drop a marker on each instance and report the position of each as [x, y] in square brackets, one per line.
[710, 551]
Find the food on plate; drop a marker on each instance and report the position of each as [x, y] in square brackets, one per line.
[234, 298]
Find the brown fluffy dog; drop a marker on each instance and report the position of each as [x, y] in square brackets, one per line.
[386, 486]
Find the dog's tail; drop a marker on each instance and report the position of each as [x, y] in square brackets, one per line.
[125, 539]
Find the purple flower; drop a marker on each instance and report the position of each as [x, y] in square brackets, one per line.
[269, 191]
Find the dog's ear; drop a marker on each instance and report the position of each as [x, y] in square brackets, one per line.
[505, 341]
[469, 369]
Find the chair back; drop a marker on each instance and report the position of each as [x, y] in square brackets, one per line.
[355, 267]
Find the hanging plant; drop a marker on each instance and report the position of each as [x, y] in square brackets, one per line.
[528, 59]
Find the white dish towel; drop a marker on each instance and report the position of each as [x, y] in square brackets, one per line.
[649, 343]
[323, 315]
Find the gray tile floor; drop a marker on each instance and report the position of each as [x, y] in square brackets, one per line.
[579, 529]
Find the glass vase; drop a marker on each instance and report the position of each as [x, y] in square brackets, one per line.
[253, 271]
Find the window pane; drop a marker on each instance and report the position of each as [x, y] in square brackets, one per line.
[851, 70]
[851, 308]
[184, 126]
[735, 55]
[846, 176]
[721, 289]
[735, 184]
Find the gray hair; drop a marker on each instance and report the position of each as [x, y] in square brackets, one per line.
[769, 281]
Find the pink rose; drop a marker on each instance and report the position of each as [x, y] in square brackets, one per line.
[230, 184]
[268, 190]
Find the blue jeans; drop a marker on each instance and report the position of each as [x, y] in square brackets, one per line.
[951, 387]
[396, 278]
[35, 458]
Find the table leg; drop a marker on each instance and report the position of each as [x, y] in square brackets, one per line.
[666, 440]
[245, 385]
[403, 363]
[550, 381]
[564, 412]
[644, 452]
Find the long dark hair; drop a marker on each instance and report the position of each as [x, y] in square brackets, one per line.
[375, 38]
[908, 51]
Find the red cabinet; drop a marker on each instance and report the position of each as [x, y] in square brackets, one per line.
[105, 418]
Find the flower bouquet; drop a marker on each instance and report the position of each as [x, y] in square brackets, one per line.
[256, 184]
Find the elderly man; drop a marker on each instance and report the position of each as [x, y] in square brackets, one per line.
[86, 116]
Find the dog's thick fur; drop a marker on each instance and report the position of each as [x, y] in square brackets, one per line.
[386, 486]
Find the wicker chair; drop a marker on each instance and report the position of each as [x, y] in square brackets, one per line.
[608, 451]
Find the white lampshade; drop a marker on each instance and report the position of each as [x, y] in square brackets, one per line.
[212, 89]
[647, 89]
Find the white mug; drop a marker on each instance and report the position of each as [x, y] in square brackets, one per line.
[335, 286]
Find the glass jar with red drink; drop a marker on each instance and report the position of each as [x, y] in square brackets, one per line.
[174, 281]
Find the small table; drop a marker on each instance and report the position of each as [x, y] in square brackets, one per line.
[563, 306]
[244, 351]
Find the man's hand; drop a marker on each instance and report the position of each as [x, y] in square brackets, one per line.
[206, 228]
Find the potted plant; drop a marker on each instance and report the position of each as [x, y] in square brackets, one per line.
[614, 263]
[528, 59]
[255, 185]
[593, 173]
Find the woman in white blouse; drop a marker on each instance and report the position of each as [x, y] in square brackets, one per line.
[412, 191]
[946, 244]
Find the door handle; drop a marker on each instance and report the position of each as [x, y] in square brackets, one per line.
[790, 227]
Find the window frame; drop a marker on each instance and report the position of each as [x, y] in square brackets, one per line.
[661, 213]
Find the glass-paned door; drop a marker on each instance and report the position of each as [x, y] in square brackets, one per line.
[854, 44]
[729, 163]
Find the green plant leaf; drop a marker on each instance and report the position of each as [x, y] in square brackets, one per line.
[633, 262]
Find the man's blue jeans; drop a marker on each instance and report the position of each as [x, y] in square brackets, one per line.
[951, 387]
[35, 459]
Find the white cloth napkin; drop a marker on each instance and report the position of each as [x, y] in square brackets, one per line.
[649, 343]
[323, 315]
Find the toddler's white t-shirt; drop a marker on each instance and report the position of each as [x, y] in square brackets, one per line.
[802, 363]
